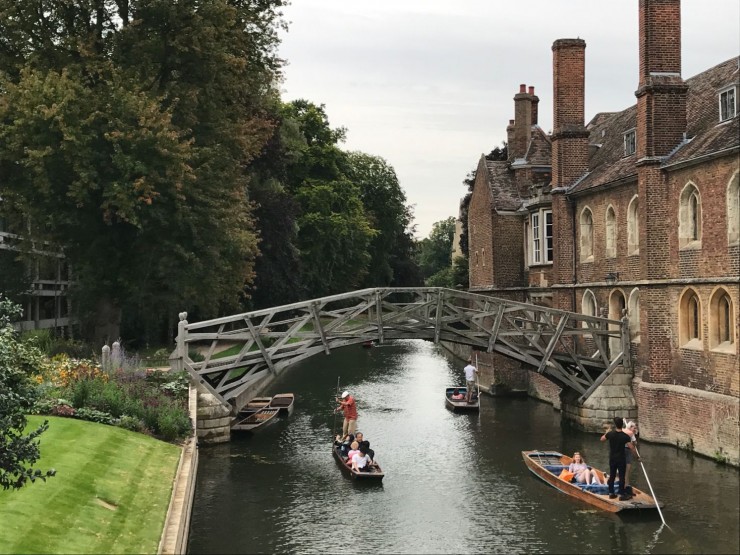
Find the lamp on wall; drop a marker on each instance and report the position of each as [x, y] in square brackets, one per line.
[611, 278]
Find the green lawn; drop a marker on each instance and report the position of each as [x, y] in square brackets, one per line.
[110, 494]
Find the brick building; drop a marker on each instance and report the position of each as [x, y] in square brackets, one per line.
[636, 213]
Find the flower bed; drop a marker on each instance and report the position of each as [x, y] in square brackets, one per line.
[149, 402]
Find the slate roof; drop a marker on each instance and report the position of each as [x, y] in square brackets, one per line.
[608, 164]
[504, 192]
[539, 152]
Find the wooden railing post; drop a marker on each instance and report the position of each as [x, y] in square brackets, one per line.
[182, 347]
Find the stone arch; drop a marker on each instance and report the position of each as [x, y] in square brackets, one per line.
[633, 310]
[689, 319]
[733, 209]
[689, 217]
[586, 221]
[611, 232]
[722, 329]
[588, 304]
[633, 226]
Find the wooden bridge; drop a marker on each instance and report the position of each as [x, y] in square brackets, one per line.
[230, 355]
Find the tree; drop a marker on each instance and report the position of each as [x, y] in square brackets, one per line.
[126, 129]
[18, 451]
[435, 252]
[387, 210]
[334, 232]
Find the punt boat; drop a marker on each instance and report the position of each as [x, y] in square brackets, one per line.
[284, 402]
[461, 405]
[374, 475]
[547, 465]
[256, 421]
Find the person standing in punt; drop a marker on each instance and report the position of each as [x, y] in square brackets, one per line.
[631, 430]
[618, 441]
[348, 406]
[470, 372]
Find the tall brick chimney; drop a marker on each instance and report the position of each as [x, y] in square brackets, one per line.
[535, 102]
[522, 123]
[569, 156]
[569, 134]
[661, 95]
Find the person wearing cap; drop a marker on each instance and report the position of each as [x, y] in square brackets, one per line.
[349, 408]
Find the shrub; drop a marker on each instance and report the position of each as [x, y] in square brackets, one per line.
[93, 415]
[172, 423]
[63, 410]
[132, 423]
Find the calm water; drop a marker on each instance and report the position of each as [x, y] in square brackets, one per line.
[454, 483]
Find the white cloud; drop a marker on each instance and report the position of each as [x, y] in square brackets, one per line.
[428, 85]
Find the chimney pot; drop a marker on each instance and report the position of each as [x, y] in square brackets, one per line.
[523, 88]
[531, 90]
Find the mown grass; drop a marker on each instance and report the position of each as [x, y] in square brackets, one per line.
[110, 494]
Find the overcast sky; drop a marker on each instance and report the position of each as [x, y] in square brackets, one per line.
[429, 84]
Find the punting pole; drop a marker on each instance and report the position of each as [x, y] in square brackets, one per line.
[334, 429]
[657, 504]
[477, 383]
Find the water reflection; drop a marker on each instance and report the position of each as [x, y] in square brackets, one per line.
[454, 483]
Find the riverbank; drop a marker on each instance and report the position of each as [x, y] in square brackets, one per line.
[110, 495]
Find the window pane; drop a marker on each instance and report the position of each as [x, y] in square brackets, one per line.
[548, 236]
[536, 250]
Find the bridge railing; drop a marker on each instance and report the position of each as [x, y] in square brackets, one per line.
[231, 354]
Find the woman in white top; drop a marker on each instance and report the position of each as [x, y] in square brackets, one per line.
[631, 430]
[361, 460]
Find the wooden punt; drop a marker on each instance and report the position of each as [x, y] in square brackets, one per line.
[461, 405]
[375, 475]
[283, 402]
[548, 465]
[257, 421]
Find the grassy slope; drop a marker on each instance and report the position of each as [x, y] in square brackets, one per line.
[96, 465]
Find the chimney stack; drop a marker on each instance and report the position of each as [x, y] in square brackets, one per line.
[522, 132]
[535, 102]
[569, 137]
[661, 96]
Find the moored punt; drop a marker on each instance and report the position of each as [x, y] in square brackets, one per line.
[375, 474]
[283, 402]
[256, 421]
[548, 465]
[253, 406]
[462, 404]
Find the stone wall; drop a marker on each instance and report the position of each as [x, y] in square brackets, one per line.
[701, 421]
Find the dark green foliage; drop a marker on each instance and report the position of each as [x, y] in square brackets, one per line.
[125, 131]
[18, 450]
[435, 252]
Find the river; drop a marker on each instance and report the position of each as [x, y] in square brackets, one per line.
[455, 483]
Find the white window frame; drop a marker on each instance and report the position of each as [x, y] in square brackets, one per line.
[731, 111]
[630, 142]
[540, 241]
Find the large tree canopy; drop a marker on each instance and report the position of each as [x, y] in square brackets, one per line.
[435, 251]
[125, 131]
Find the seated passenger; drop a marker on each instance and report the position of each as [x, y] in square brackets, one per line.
[346, 445]
[361, 461]
[581, 473]
[370, 452]
[355, 449]
[457, 396]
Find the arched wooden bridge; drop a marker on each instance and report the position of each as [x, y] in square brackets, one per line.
[235, 352]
